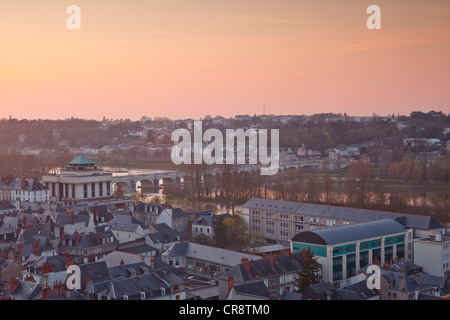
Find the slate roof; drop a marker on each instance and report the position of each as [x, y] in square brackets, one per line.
[123, 222]
[129, 270]
[290, 295]
[350, 232]
[98, 271]
[410, 283]
[28, 185]
[167, 236]
[252, 288]
[143, 248]
[342, 213]
[320, 291]
[26, 290]
[64, 219]
[6, 205]
[204, 252]
[148, 283]
[261, 268]
[58, 261]
[357, 291]
[89, 240]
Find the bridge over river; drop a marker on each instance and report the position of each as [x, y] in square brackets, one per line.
[128, 183]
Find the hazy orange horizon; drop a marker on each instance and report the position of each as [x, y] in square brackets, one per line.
[187, 59]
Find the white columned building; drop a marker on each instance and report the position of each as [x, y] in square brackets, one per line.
[81, 181]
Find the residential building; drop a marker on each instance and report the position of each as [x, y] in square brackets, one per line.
[17, 289]
[276, 271]
[147, 213]
[47, 271]
[326, 291]
[204, 223]
[175, 218]
[343, 250]
[400, 286]
[126, 228]
[86, 248]
[19, 190]
[10, 269]
[202, 260]
[255, 290]
[164, 239]
[432, 253]
[135, 281]
[6, 207]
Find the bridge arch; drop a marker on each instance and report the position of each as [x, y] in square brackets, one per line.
[146, 183]
[121, 187]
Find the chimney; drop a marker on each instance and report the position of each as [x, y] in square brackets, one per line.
[230, 283]
[400, 282]
[152, 262]
[23, 183]
[247, 266]
[438, 237]
[96, 214]
[48, 267]
[416, 294]
[36, 248]
[68, 259]
[272, 261]
[20, 248]
[88, 280]
[13, 284]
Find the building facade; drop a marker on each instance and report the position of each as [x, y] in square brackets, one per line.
[81, 181]
[344, 250]
[18, 190]
[433, 254]
[279, 221]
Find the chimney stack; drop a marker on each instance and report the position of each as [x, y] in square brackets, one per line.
[400, 282]
[13, 284]
[230, 283]
[36, 248]
[247, 266]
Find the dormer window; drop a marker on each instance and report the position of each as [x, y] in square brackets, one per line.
[142, 295]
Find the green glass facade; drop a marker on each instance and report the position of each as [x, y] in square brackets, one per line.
[318, 250]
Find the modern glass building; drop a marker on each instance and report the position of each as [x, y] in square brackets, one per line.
[345, 249]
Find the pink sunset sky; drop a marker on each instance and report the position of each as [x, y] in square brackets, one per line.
[190, 58]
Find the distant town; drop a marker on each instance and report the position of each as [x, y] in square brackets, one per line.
[351, 192]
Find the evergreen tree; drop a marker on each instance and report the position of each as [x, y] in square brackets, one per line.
[220, 233]
[309, 272]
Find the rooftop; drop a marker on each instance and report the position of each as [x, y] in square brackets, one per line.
[349, 233]
[343, 213]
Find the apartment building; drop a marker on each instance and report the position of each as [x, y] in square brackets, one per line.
[277, 221]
